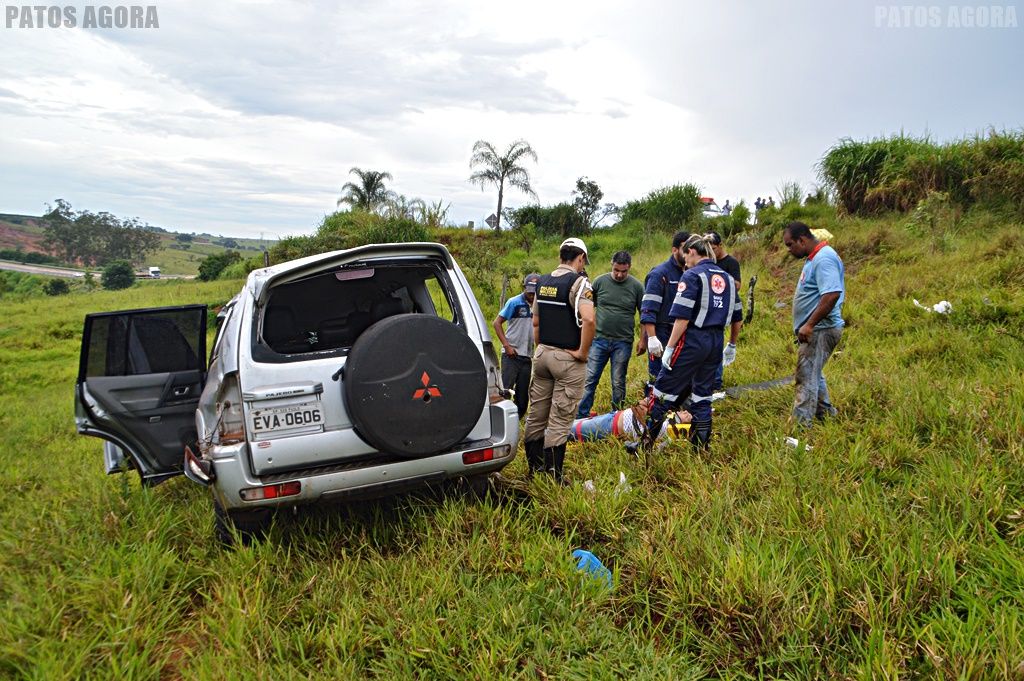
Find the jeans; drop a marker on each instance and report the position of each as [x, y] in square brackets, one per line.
[515, 374]
[812, 399]
[600, 351]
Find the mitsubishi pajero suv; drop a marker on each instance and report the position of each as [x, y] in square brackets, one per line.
[344, 375]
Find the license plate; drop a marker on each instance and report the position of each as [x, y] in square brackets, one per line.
[308, 416]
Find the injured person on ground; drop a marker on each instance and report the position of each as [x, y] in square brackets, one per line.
[628, 425]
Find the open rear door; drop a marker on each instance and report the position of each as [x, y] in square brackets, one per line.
[139, 380]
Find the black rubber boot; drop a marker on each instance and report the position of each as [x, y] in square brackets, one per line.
[549, 456]
[534, 456]
[557, 463]
[700, 435]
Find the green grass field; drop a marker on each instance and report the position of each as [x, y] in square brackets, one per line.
[893, 548]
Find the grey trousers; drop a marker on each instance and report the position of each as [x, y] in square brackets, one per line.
[812, 398]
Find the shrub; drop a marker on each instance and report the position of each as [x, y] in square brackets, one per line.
[117, 275]
[935, 219]
[56, 287]
[241, 269]
[790, 193]
[732, 224]
[562, 219]
[898, 172]
[212, 265]
[387, 230]
[30, 257]
[668, 208]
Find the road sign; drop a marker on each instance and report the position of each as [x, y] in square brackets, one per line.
[492, 220]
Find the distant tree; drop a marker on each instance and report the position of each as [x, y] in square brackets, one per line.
[400, 208]
[559, 220]
[212, 265]
[184, 238]
[370, 193]
[587, 200]
[229, 243]
[95, 238]
[59, 234]
[497, 169]
[117, 275]
[56, 287]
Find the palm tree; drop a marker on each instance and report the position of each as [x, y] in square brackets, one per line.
[370, 193]
[496, 170]
[398, 206]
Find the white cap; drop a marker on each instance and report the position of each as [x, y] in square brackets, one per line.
[578, 243]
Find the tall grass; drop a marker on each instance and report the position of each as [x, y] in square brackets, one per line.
[666, 209]
[891, 549]
[896, 173]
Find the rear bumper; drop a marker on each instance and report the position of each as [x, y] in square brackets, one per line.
[380, 477]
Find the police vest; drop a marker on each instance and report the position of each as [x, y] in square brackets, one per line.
[557, 314]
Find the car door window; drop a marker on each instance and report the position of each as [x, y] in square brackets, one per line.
[132, 344]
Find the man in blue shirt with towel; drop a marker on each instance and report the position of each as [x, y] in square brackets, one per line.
[817, 319]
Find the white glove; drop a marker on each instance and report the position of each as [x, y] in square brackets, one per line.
[654, 346]
[729, 354]
[666, 359]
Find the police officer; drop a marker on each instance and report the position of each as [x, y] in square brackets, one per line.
[563, 323]
[705, 302]
[659, 291]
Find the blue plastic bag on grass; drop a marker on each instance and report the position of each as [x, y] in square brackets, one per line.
[592, 565]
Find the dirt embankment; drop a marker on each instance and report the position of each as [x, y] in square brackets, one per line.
[12, 237]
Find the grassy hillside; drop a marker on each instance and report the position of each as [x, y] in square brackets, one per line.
[892, 548]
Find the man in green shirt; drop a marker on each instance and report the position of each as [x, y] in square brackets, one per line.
[617, 299]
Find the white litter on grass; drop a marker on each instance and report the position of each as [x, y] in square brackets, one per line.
[590, 488]
[942, 307]
[794, 443]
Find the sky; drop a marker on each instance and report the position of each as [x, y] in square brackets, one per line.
[244, 118]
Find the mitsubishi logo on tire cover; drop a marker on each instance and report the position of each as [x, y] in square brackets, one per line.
[427, 391]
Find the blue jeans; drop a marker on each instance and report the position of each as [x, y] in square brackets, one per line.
[601, 350]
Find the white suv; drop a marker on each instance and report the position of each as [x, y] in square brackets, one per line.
[344, 375]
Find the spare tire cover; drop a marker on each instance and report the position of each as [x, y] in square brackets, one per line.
[414, 384]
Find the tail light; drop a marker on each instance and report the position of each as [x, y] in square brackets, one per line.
[285, 489]
[198, 470]
[230, 419]
[481, 455]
